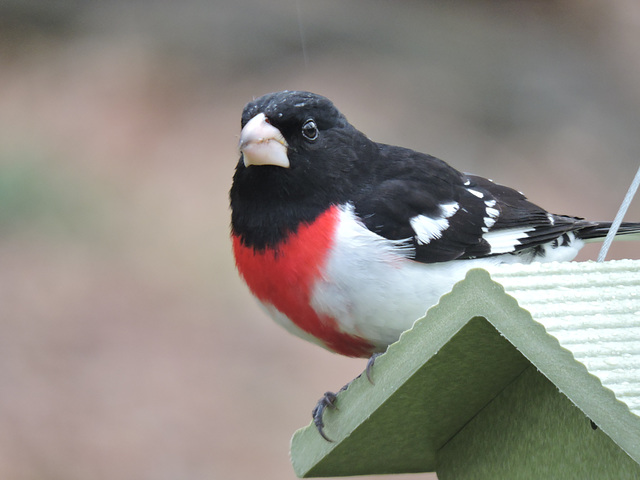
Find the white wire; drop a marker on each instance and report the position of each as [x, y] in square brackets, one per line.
[303, 43]
[618, 220]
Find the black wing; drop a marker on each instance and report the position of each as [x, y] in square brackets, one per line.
[449, 215]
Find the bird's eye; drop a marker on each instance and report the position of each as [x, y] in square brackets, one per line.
[310, 130]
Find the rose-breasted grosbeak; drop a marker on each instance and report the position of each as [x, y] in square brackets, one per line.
[345, 241]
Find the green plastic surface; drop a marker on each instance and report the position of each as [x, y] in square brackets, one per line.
[440, 376]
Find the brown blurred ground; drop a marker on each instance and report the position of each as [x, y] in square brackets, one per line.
[129, 348]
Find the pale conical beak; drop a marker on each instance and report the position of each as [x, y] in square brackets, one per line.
[262, 144]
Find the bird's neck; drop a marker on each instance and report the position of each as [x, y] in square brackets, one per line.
[262, 225]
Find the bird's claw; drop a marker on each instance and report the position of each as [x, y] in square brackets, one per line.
[369, 368]
[328, 400]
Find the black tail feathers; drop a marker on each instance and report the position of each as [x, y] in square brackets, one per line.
[599, 230]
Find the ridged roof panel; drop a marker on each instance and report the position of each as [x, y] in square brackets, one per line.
[593, 309]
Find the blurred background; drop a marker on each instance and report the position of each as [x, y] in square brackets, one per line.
[129, 348]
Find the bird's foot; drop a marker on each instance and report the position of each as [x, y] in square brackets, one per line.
[328, 400]
[369, 368]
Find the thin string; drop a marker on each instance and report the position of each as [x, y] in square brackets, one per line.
[303, 42]
[618, 220]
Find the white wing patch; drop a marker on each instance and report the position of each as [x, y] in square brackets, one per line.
[506, 241]
[492, 215]
[428, 228]
[475, 192]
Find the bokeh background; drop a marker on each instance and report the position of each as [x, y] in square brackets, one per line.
[129, 348]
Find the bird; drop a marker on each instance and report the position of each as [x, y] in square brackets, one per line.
[345, 241]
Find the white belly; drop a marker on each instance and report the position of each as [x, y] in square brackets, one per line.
[375, 292]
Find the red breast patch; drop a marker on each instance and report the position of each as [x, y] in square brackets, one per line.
[284, 276]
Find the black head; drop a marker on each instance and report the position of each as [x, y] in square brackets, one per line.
[289, 110]
[299, 155]
[304, 123]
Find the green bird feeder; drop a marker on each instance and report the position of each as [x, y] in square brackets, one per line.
[529, 372]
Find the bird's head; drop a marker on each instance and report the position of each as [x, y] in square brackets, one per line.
[288, 129]
[297, 146]
[298, 156]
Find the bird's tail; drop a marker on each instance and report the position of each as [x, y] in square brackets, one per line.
[598, 230]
